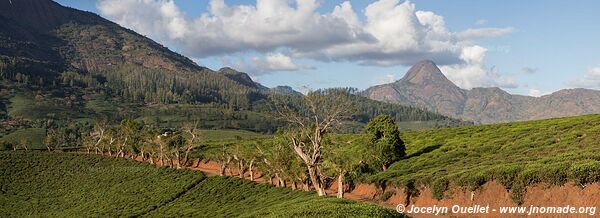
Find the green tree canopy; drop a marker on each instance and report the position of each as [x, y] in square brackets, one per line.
[384, 134]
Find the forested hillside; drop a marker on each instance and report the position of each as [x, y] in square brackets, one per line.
[62, 70]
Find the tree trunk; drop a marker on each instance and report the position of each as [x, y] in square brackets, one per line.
[305, 186]
[142, 154]
[384, 167]
[222, 171]
[294, 185]
[162, 160]
[242, 169]
[251, 170]
[277, 181]
[177, 157]
[340, 180]
[186, 157]
[316, 181]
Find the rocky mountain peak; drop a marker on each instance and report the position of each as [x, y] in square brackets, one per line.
[237, 76]
[426, 72]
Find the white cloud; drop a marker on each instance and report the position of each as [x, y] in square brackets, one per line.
[385, 79]
[393, 33]
[275, 62]
[537, 93]
[473, 73]
[590, 80]
[271, 62]
[224, 29]
[160, 19]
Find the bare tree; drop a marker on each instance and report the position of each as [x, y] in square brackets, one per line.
[111, 140]
[224, 158]
[97, 135]
[192, 142]
[161, 148]
[251, 169]
[50, 139]
[316, 115]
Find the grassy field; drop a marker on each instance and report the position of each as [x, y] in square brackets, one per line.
[217, 136]
[71, 185]
[34, 135]
[27, 107]
[517, 155]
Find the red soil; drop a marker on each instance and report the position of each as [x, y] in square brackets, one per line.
[496, 196]
[491, 193]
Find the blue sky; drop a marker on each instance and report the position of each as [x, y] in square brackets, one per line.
[525, 47]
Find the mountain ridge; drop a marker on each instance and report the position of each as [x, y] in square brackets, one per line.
[78, 65]
[425, 86]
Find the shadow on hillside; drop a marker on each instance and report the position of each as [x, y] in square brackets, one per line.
[424, 151]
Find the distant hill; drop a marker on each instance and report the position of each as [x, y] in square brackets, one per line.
[41, 39]
[64, 64]
[425, 86]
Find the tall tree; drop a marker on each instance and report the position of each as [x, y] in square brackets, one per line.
[97, 135]
[129, 134]
[192, 142]
[384, 135]
[343, 157]
[317, 114]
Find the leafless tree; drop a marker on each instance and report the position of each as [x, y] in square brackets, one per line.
[192, 142]
[318, 113]
[98, 135]
[225, 158]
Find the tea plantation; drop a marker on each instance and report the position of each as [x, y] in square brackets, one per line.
[78, 185]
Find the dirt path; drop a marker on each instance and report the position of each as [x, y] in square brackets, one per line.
[211, 171]
[211, 168]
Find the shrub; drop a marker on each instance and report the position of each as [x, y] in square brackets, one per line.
[387, 195]
[438, 187]
[585, 172]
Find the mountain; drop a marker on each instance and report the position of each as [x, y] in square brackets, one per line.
[285, 90]
[425, 86]
[41, 40]
[58, 63]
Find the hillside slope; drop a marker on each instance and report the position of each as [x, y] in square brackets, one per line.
[516, 155]
[71, 185]
[60, 63]
[41, 40]
[425, 86]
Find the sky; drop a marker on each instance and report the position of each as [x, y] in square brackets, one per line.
[525, 47]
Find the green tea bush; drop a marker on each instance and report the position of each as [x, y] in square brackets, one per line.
[585, 172]
[48, 184]
[439, 186]
[516, 155]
